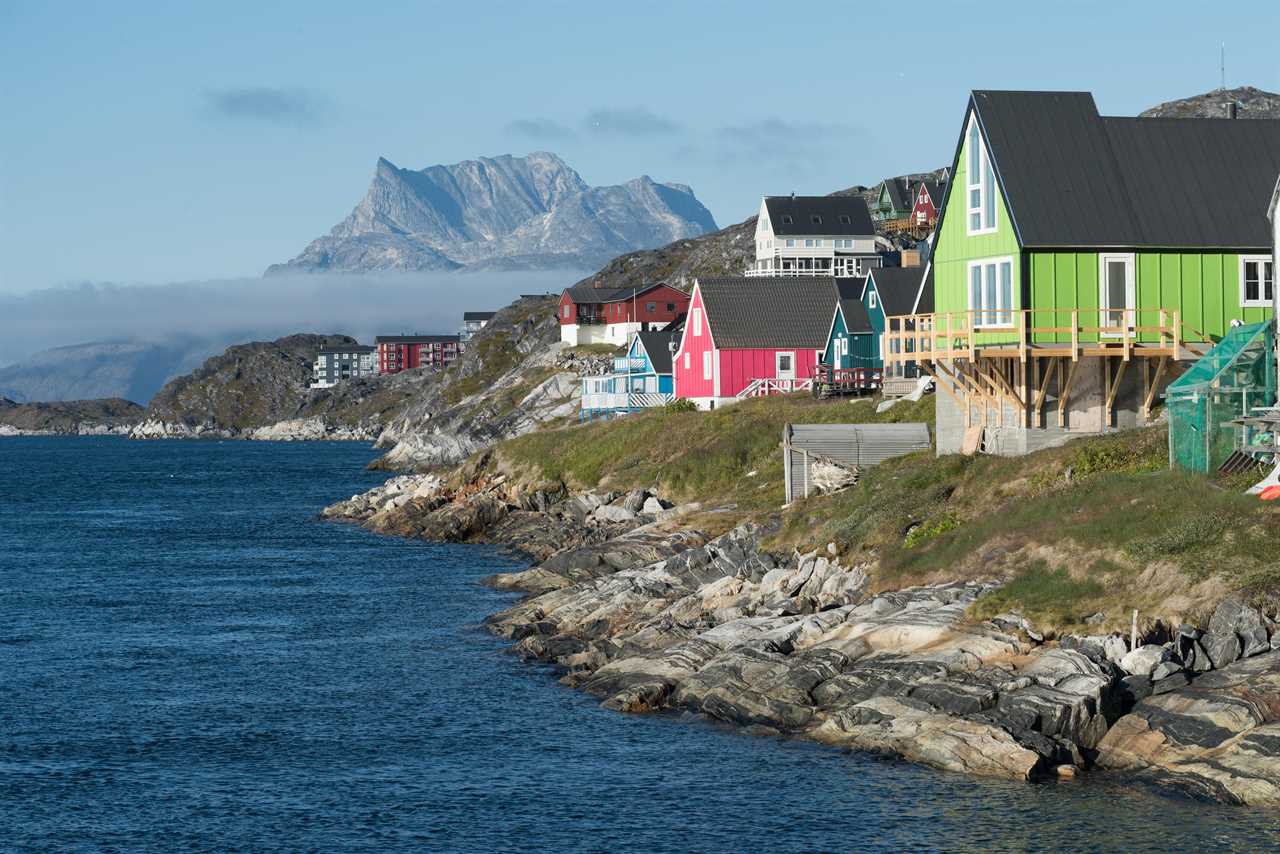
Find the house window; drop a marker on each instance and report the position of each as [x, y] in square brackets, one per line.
[981, 196]
[844, 220]
[871, 299]
[706, 365]
[815, 219]
[695, 320]
[991, 292]
[786, 219]
[791, 244]
[686, 361]
[566, 311]
[808, 242]
[651, 307]
[1257, 281]
[671, 306]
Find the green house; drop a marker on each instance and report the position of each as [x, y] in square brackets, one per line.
[894, 201]
[850, 343]
[1081, 261]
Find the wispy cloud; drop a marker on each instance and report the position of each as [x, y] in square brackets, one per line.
[629, 121]
[268, 105]
[779, 137]
[539, 128]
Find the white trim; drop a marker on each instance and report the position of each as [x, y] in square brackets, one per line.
[715, 372]
[985, 183]
[1130, 288]
[695, 320]
[995, 262]
[1263, 301]
[707, 375]
[831, 328]
[915, 306]
[777, 368]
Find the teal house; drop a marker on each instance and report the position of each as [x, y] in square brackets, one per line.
[895, 292]
[849, 343]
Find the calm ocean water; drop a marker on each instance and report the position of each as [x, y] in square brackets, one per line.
[189, 660]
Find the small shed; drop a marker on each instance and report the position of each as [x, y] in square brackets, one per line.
[847, 446]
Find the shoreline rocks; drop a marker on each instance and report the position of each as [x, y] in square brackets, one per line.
[646, 614]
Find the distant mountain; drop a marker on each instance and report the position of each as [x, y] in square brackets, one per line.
[131, 370]
[69, 417]
[505, 212]
[1251, 103]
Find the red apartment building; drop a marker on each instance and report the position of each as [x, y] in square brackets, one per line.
[398, 353]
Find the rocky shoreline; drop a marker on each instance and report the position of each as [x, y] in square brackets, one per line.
[291, 430]
[642, 608]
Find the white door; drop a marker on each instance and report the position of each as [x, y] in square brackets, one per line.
[784, 365]
[1116, 297]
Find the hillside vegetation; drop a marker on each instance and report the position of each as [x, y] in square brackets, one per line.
[1100, 526]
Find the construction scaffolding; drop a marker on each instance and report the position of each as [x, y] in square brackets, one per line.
[1233, 380]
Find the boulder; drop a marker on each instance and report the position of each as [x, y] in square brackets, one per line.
[613, 513]
[635, 500]
[654, 505]
[1221, 648]
[1143, 660]
[1165, 669]
[1234, 616]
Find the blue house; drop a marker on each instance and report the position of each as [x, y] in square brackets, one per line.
[640, 379]
[850, 363]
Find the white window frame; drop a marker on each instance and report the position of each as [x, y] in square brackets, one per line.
[686, 362]
[1130, 289]
[777, 364]
[871, 298]
[979, 179]
[695, 320]
[1263, 300]
[706, 364]
[566, 311]
[979, 321]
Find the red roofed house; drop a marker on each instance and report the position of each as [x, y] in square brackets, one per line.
[748, 337]
[591, 315]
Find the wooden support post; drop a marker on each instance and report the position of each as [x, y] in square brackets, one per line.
[972, 337]
[1022, 337]
[1066, 393]
[937, 381]
[1113, 387]
[950, 343]
[1153, 388]
[1164, 323]
[1038, 415]
[1177, 331]
[1075, 335]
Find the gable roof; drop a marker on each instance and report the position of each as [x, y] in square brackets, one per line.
[1074, 178]
[655, 345]
[837, 215]
[849, 294]
[898, 193]
[924, 302]
[583, 292]
[897, 287]
[478, 315]
[745, 313]
[934, 191]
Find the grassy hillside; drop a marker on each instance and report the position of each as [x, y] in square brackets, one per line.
[1100, 525]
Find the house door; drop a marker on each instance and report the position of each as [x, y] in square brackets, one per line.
[1117, 293]
[784, 365]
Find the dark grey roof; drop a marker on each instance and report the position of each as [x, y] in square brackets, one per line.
[849, 293]
[897, 287]
[925, 303]
[583, 292]
[349, 348]
[898, 193]
[478, 315]
[769, 312]
[836, 215]
[415, 339]
[935, 192]
[1073, 178]
[656, 345]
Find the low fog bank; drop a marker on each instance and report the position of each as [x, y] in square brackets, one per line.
[143, 335]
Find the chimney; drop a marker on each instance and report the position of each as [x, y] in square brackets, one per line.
[1233, 110]
[910, 257]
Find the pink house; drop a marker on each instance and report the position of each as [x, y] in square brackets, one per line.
[752, 336]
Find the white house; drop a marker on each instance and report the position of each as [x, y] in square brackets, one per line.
[814, 236]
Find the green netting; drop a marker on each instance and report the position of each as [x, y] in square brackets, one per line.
[1237, 376]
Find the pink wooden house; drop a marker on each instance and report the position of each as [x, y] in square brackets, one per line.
[746, 337]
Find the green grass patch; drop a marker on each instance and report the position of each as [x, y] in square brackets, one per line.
[1043, 595]
[498, 355]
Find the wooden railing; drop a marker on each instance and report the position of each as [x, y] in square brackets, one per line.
[770, 385]
[1021, 332]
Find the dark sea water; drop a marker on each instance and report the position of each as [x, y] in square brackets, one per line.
[190, 660]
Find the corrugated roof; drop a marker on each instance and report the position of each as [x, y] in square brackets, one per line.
[849, 292]
[1073, 178]
[835, 215]
[656, 345]
[769, 312]
[583, 292]
[898, 287]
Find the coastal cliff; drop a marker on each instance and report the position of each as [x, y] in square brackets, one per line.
[109, 417]
[651, 599]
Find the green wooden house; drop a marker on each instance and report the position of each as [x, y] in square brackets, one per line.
[1081, 260]
[896, 292]
[894, 201]
[850, 343]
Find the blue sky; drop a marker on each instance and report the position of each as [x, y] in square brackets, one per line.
[169, 142]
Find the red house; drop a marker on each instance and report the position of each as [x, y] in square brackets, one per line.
[748, 337]
[398, 353]
[928, 202]
[591, 315]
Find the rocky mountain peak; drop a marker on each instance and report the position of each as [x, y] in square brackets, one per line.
[1251, 103]
[505, 212]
